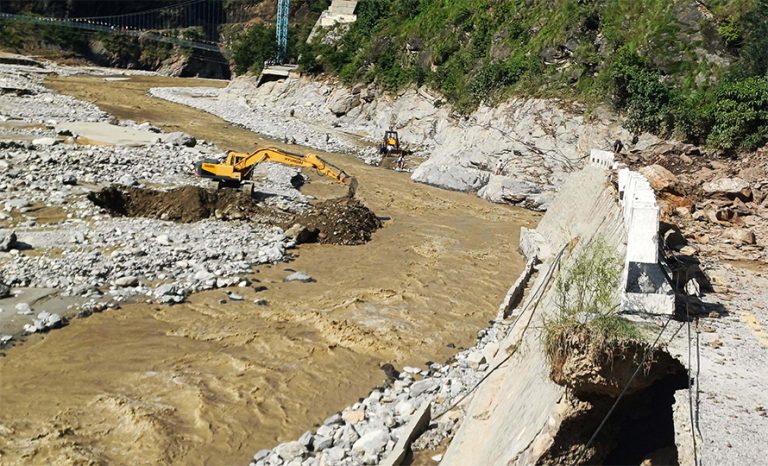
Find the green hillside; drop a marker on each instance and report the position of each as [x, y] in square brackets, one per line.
[695, 70]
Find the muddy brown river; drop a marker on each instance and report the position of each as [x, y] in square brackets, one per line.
[210, 383]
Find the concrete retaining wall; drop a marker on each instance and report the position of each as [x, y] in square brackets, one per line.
[513, 416]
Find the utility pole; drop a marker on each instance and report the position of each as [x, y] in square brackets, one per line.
[283, 8]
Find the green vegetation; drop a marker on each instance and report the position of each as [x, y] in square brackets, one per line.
[586, 305]
[672, 66]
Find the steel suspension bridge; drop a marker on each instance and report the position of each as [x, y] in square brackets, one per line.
[192, 23]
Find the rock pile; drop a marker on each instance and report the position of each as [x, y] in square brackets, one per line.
[721, 206]
[368, 431]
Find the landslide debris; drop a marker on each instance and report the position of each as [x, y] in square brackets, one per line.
[184, 205]
[340, 221]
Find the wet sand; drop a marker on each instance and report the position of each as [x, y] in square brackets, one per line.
[206, 383]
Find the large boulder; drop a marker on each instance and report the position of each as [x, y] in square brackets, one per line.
[445, 175]
[7, 240]
[180, 139]
[661, 179]
[342, 101]
[729, 187]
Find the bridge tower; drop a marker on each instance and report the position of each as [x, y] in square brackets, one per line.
[283, 8]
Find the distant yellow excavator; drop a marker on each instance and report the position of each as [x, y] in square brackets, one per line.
[238, 167]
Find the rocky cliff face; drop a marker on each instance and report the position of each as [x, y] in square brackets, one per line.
[535, 141]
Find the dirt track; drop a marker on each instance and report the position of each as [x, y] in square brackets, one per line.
[210, 383]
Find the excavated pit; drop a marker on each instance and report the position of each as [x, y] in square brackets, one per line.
[641, 428]
[342, 220]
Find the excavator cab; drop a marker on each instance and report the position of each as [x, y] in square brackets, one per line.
[391, 144]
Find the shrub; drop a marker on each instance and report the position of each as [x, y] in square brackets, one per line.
[256, 46]
[586, 298]
[740, 114]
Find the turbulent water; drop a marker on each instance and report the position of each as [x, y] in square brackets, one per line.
[212, 383]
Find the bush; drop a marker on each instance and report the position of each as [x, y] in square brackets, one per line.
[740, 115]
[637, 88]
[586, 299]
[256, 46]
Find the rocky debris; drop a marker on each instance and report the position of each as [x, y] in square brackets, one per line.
[180, 139]
[7, 240]
[368, 431]
[718, 205]
[265, 118]
[729, 187]
[45, 321]
[660, 178]
[340, 221]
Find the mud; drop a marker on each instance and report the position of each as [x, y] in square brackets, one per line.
[334, 221]
[210, 383]
[340, 221]
[184, 205]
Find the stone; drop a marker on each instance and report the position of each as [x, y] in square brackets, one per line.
[371, 444]
[69, 180]
[742, 235]
[474, 359]
[320, 443]
[290, 450]
[730, 187]
[127, 281]
[353, 417]
[334, 419]
[7, 240]
[261, 454]
[45, 142]
[342, 101]
[165, 240]
[4, 339]
[661, 179]
[437, 458]
[260, 302]
[404, 408]
[164, 290]
[302, 277]
[127, 180]
[333, 455]
[306, 439]
[180, 139]
[5, 290]
[423, 386]
[235, 297]
[301, 234]
[23, 309]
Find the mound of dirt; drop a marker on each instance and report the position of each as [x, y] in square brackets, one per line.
[184, 205]
[340, 221]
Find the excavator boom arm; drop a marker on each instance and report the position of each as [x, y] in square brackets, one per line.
[239, 166]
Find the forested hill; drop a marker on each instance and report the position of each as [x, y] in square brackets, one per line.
[692, 69]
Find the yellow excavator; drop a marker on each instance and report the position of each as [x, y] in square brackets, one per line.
[238, 167]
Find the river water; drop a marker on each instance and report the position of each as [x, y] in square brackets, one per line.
[210, 383]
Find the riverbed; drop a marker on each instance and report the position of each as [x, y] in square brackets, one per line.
[207, 382]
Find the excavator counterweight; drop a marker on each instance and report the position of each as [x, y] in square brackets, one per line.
[238, 167]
